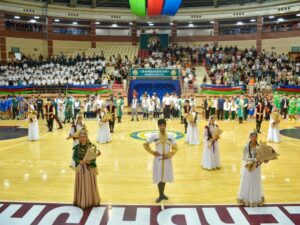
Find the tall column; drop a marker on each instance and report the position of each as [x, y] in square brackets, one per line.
[50, 41]
[259, 33]
[93, 33]
[2, 38]
[174, 31]
[216, 31]
[134, 31]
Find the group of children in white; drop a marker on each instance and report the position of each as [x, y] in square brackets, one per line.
[250, 193]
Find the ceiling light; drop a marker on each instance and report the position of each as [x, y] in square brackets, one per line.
[56, 20]
[298, 14]
[97, 23]
[280, 20]
[271, 17]
[32, 21]
[253, 20]
[240, 23]
[130, 23]
[75, 23]
[212, 22]
[36, 17]
[191, 25]
[171, 24]
[17, 17]
[114, 25]
[148, 22]
[151, 24]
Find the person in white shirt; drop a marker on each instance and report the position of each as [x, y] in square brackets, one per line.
[134, 108]
[167, 106]
[145, 107]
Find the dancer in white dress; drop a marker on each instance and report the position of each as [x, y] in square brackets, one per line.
[33, 126]
[273, 131]
[211, 154]
[74, 134]
[166, 148]
[104, 135]
[192, 136]
[250, 192]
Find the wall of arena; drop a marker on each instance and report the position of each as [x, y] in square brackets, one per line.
[68, 47]
[280, 45]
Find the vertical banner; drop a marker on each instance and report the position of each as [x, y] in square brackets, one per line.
[171, 7]
[138, 7]
[155, 7]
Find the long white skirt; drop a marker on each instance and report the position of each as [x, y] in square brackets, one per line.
[211, 156]
[192, 135]
[33, 131]
[250, 192]
[162, 170]
[104, 133]
[273, 134]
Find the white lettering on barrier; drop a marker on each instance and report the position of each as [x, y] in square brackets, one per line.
[117, 215]
[281, 218]
[95, 216]
[292, 209]
[75, 215]
[6, 216]
[213, 218]
[191, 216]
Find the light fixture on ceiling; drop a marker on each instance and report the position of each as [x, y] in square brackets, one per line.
[280, 20]
[212, 22]
[191, 25]
[271, 17]
[114, 25]
[298, 14]
[56, 20]
[151, 24]
[32, 21]
[253, 20]
[171, 24]
[130, 23]
[36, 17]
[75, 23]
[17, 17]
[239, 23]
[97, 23]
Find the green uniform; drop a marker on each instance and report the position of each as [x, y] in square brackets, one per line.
[298, 106]
[292, 107]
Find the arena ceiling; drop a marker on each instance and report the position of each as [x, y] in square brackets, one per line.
[184, 4]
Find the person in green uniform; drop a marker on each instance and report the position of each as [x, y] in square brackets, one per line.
[298, 107]
[69, 110]
[240, 108]
[119, 108]
[292, 108]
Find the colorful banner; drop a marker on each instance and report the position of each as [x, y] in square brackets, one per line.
[77, 89]
[287, 89]
[221, 89]
[154, 73]
[155, 7]
[171, 7]
[138, 7]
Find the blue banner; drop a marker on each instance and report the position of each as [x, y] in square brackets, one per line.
[171, 7]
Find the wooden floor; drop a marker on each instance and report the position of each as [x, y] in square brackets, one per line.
[39, 171]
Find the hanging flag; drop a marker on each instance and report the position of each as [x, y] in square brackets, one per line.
[138, 7]
[155, 7]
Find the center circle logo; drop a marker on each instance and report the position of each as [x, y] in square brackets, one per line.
[144, 134]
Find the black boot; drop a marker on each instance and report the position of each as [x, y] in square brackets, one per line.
[163, 192]
[160, 190]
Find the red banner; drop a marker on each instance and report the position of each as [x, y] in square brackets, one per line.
[155, 7]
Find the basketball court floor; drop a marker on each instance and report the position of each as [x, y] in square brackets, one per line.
[36, 174]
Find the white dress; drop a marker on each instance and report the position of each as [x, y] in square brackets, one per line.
[273, 132]
[33, 130]
[211, 155]
[250, 192]
[162, 169]
[75, 141]
[104, 135]
[192, 134]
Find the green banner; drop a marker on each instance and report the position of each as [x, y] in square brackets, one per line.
[138, 7]
[154, 72]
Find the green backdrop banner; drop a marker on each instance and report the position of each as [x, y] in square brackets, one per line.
[154, 72]
[150, 39]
